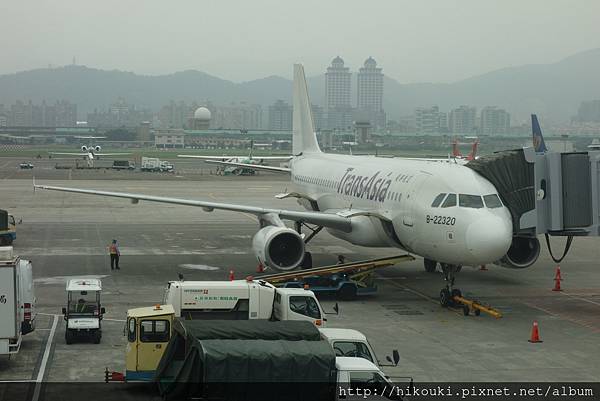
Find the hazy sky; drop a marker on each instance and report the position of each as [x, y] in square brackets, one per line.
[414, 41]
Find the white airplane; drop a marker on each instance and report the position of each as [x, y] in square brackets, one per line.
[227, 164]
[89, 152]
[444, 212]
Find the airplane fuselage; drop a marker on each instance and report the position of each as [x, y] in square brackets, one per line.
[398, 195]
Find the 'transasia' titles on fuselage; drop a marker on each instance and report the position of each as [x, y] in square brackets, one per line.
[373, 187]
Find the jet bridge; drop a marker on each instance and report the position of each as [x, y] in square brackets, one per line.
[552, 193]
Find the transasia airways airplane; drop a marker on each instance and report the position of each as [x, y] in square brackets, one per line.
[440, 210]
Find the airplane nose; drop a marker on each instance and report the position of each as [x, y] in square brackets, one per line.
[489, 238]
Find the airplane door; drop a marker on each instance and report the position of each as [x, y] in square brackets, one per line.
[413, 218]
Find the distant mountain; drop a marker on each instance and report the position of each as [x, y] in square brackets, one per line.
[552, 90]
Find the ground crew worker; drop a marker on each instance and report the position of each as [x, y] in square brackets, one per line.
[115, 253]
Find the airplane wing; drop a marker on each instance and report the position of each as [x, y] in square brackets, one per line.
[272, 158]
[332, 220]
[252, 166]
[111, 154]
[68, 154]
[210, 157]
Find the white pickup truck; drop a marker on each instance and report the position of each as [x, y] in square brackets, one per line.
[353, 343]
[242, 300]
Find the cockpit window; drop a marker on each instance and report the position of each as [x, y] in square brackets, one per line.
[438, 199]
[472, 201]
[492, 201]
[450, 201]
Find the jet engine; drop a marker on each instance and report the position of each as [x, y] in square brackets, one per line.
[523, 252]
[84, 148]
[279, 247]
[97, 148]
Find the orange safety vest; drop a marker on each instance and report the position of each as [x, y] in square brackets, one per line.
[113, 249]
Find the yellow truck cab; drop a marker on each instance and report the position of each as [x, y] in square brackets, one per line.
[148, 331]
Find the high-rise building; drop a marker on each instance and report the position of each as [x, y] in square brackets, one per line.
[427, 120]
[337, 95]
[462, 120]
[236, 116]
[494, 120]
[370, 92]
[280, 115]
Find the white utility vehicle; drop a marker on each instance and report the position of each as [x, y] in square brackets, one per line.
[359, 379]
[242, 300]
[84, 312]
[353, 343]
[17, 301]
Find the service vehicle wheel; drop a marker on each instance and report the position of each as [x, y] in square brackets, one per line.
[430, 265]
[465, 309]
[97, 336]
[347, 292]
[69, 337]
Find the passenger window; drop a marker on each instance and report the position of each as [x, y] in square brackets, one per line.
[153, 331]
[353, 349]
[492, 201]
[305, 306]
[450, 201]
[472, 201]
[438, 199]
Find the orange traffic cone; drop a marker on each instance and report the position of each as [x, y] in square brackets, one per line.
[557, 280]
[231, 276]
[260, 268]
[535, 333]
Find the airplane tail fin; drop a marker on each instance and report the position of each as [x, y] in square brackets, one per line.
[304, 139]
[473, 154]
[538, 139]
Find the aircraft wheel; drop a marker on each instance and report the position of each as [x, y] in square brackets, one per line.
[430, 265]
[445, 297]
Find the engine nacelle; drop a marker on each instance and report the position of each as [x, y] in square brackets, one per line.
[279, 247]
[84, 148]
[523, 252]
[97, 148]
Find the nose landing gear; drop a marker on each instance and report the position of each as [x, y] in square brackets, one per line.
[448, 293]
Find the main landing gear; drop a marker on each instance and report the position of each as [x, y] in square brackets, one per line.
[314, 230]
